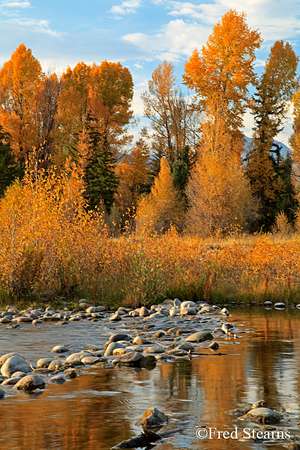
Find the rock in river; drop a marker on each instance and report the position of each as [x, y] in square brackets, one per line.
[30, 383]
[15, 364]
[200, 336]
[153, 418]
[263, 415]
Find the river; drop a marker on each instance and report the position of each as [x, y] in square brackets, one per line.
[101, 407]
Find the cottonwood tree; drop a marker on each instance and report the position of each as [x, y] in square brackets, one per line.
[172, 119]
[20, 80]
[161, 208]
[218, 192]
[224, 69]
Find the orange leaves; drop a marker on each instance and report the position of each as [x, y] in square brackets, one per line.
[225, 67]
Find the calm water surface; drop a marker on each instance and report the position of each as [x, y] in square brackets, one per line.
[101, 408]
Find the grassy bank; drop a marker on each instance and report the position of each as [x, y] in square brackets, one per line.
[51, 247]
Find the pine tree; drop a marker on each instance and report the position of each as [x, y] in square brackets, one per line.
[268, 172]
[99, 174]
[9, 169]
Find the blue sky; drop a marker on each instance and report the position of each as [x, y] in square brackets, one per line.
[138, 33]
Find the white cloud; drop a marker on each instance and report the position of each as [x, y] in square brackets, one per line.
[40, 26]
[13, 4]
[174, 41]
[126, 7]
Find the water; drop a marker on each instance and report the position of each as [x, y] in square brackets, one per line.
[101, 407]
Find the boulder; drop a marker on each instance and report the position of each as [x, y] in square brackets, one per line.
[200, 336]
[60, 349]
[111, 347]
[30, 383]
[15, 364]
[153, 419]
[43, 363]
[119, 337]
[263, 415]
[5, 357]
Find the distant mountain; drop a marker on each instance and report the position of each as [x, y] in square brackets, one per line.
[283, 151]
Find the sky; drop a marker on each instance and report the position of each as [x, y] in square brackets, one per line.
[141, 34]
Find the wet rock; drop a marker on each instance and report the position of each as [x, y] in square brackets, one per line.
[37, 322]
[225, 312]
[153, 419]
[177, 352]
[15, 364]
[129, 359]
[5, 357]
[121, 351]
[119, 337]
[177, 303]
[60, 349]
[6, 319]
[148, 360]
[188, 311]
[71, 373]
[111, 347]
[213, 345]
[59, 379]
[91, 360]
[43, 363]
[56, 364]
[153, 349]
[19, 374]
[12, 309]
[174, 312]
[263, 415]
[24, 319]
[185, 346]
[144, 312]
[159, 334]
[115, 318]
[164, 357]
[78, 356]
[30, 383]
[200, 336]
[10, 381]
[188, 304]
[138, 340]
[157, 315]
[2, 393]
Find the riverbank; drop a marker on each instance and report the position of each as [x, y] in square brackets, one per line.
[134, 271]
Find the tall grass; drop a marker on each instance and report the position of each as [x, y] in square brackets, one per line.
[50, 246]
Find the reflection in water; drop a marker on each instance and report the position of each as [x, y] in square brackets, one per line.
[101, 407]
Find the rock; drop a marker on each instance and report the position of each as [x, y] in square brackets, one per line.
[77, 356]
[115, 318]
[30, 383]
[159, 334]
[5, 357]
[12, 309]
[43, 362]
[133, 313]
[140, 341]
[157, 315]
[144, 312]
[177, 303]
[174, 312]
[153, 419]
[2, 393]
[90, 360]
[185, 346]
[200, 336]
[59, 379]
[119, 337]
[129, 359]
[188, 304]
[148, 360]
[56, 364]
[177, 352]
[187, 311]
[111, 347]
[153, 349]
[206, 309]
[10, 381]
[19, 374]
[25, 319]
[121, 351]
[6, 319]
[263, 415]
[60, 349]
[225, 312]
[164, 357]
[15, 364]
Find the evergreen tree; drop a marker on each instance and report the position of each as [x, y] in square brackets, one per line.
[99, 174]
[9, 169]
[268, 172]
[181, 169]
